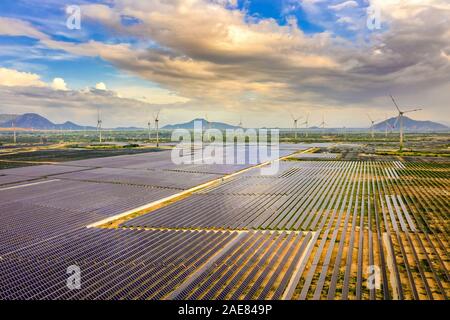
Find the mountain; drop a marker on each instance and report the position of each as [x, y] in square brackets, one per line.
[128, 129]
[69, 125]
[205, 124]
[35, 121]
[30, 120]
[412, 125]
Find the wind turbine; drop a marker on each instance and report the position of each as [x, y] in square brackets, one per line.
[156, 117]
[372, 126]
[240, 122]
[295, 125]
[149, 124]
[14, 130]
[323, 123]
[387, 127]
[306, 124]
[99, 125]
[209, 126]
[344, 131]
[400, 119]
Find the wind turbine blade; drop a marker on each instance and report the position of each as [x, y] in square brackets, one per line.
[412, 110]
[370, 118]
[157, 115]
[395, 103]
[396, 121]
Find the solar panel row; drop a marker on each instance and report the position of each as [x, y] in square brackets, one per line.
[163, 179]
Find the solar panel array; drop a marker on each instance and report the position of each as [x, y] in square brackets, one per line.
[285, 201]
[10, 179]
[39, 202]
[311, 231]
[51, 207]
[114, 264]
[41, 170]
[249, 156]
[163, 179]
[317, 156]
[260, 266]
[393, 215]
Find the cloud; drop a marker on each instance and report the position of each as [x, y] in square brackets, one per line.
[234, 62]
[59, 84]
[344, 5]
[230, 54]
[16, 27]
[100, 86]
[14, 78]
[149, 95]
[25, 92]
[75, 105]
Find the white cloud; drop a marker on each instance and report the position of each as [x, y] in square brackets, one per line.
[225, 61]
[16, 27]
[100, 86]
[149, 95]
[343, 5]
[59, 84]
[13, 78]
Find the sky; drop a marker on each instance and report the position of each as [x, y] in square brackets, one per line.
[261, 61]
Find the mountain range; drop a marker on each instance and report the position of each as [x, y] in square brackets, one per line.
[410, 125]
[38, 122]
[205, 124]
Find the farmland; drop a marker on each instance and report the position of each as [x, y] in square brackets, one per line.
[140, 227]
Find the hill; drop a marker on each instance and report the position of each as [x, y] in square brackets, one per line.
[206, 125]
[36, 121]
[412, 125]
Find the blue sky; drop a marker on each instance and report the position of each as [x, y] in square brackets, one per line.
[49, 17]
[227, 58]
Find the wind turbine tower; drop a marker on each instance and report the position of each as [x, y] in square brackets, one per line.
[400, 119]
[323, 123]
[295, 125]
[387, 127]
[209, 127]
[156, 117]
[149, 124]
[372, 126]
[306, 125]
[14, 130]
[99, 126]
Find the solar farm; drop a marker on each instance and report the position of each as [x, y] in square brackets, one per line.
[140, 227]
